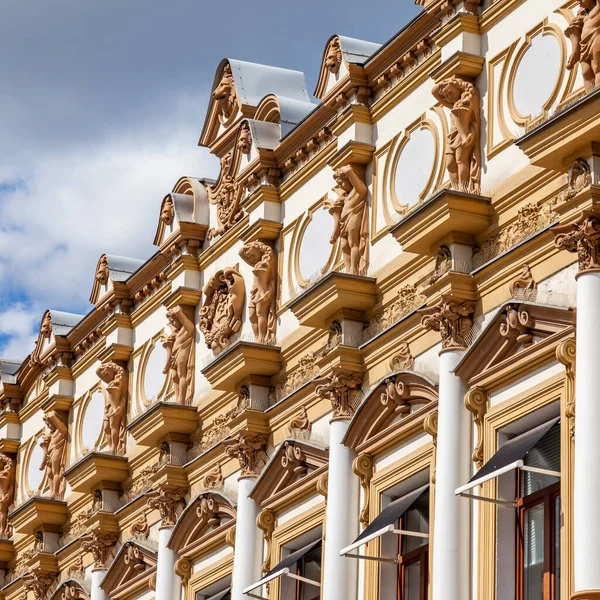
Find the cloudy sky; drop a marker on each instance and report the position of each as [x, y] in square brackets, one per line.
[101, 107]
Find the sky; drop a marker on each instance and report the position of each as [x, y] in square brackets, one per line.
[101, 106]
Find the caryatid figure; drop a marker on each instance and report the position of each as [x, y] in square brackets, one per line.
[54, 445]
[7, 490]
[351, 218]
[584, 33]
[115, 378]
[262, 297]
[463, 154]
[180, 355]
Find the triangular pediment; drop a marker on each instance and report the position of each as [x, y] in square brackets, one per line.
[293, 460]
[209, 512]
[518, 329]
[393, 401]
[134, 564]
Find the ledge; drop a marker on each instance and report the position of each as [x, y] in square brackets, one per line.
[43, 561]
[38, 511]
[162, 419]
[447, 216]
[227, 371]
[7, 551]
[118, 352]
[96, 468]
[567, 134]
[334, 293]
[103, 520]
[462, 64]
[57, 402]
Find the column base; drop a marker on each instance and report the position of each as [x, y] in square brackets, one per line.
[586, 595]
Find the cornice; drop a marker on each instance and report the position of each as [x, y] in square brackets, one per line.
[496, 12]
[223, 243]
[461, 23]
[148, 307]
[88, 359]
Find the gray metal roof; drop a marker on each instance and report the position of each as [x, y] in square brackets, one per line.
[63, 322]
[8, 370]
[120, 268]
[264, 135]
[357, 51]
[292, 112]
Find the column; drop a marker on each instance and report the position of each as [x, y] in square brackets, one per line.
[451, 535]
[583, 237]
[97, 593]
[249, 448]
[340, 574]
[168, 585]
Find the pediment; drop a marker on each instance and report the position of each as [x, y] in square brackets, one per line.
[71, 589]
[518, 330]
[54, 327]
[292, 461]
[238, 89]
[111, 271]
[185, 210]
[132, 566]
[340, 55]
[206, 514]
[393, 401]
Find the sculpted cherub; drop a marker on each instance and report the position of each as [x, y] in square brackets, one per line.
[463, 156]
[54, 445]
[180, 354]
[115, 378]
[351, 219]
[262, 297]
[225, 95]
[7, 489]
[583, 31]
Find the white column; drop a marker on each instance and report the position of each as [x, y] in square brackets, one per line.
[451, 535]
[248, 541]
[587, 439]
[340, 574]
[97, 593]
[168, 584]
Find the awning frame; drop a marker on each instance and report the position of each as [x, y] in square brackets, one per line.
[281, 573]
[464, 490]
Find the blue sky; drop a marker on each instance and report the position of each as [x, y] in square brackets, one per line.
[101, 106]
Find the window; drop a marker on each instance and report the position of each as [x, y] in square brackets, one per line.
[538, 522]
[413, 552]
[308, 567]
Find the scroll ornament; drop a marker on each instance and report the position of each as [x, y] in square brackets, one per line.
[115, 407]
[180, 348]
[363, 467]
[584, 34]
[476, 402]
[463, 154]
[350, 213]
[221, 314]
[262, 309]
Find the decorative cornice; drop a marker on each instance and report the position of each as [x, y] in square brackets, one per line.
[583, 237]
[452, 318]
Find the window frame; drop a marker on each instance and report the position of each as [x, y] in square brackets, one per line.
[418, 555]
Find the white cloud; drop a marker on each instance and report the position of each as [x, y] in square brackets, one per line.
[79, 202]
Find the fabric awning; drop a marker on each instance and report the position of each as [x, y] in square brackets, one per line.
[509, 456]
[224, 595]
[283, 566]
[386, 519]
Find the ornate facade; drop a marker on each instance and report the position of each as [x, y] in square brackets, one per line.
[362, 363]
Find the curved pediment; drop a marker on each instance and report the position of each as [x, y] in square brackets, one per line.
[291, 461]
[112, 269]
[208, 512]
[185, 208]
[340, 53]
[285, 111]
[134, 564]
[55, 324]
[390, 402]
[517, 327]
[238, 89]
[71, 589]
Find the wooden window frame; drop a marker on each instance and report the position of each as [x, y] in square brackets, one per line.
[419, 555]
[300, 571]
[547, 498]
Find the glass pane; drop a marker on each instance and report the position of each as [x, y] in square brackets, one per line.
[544, 455]
[310, 567]
[533, 553]
[412, 582]
[416, 519]
[557, 549]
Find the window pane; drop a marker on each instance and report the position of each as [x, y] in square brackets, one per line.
[557, 548]
[545, 455]
[416, 519]
[412, 582]
[310, 567]
[533, 553]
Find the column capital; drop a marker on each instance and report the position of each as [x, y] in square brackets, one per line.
[583, 237]
[249, 448]
[165, 499]
[451, 316]
[99, 545]
[340, 388]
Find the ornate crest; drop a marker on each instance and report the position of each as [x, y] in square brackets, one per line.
[226, 96]
[226, 195]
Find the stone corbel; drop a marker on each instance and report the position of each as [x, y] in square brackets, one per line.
[230, 537]
[183, 569]
[266, 523]
[476, 401]
[322, 484]
[363, 467]
[565, 354]
[430, 426]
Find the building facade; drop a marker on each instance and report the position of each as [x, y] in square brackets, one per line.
[360, 364]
